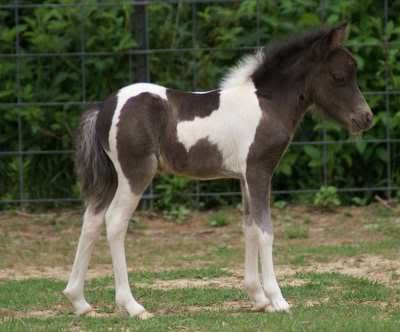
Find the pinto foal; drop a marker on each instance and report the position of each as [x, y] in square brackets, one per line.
[239, 131]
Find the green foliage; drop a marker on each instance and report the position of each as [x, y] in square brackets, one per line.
[106, 34]
[218, 219]
[327, 197]
[172, 199]
[360, 201]
[296, 232]
[177, 213]
[280, 204]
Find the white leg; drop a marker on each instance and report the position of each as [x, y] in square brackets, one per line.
[251, 278]
[90, 231]
[270, 283]
[258, 184]
[117, 218]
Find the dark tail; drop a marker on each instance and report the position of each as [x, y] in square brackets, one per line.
[94, 168]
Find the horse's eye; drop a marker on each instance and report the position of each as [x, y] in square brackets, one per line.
[338, 78]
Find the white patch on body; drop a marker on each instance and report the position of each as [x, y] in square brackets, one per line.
[203, 92]
[122, 97]
[232, 127]
[241, 73]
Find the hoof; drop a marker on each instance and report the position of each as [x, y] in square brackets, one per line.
[80, 305]
[279, 305]
[261, 306]
[87, 310]
[92, 313]
[144, 315]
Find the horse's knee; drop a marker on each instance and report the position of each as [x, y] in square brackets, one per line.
[92, 224]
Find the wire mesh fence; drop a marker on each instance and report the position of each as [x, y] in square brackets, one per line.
[139, 69]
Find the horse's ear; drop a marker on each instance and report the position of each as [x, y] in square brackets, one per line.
[337, 36]
[332, 39]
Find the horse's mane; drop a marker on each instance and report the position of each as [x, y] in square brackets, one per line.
[266, 59]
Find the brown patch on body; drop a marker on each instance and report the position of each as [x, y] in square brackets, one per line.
[104, 119]
[203, 160]
[189, 105]
[140, 125]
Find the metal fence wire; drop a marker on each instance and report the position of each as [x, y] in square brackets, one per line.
[140, 55]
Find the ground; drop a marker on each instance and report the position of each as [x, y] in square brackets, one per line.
[340, 271]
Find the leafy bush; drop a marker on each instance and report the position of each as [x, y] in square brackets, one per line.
[105, 35]
[218, 219]
[327, 197]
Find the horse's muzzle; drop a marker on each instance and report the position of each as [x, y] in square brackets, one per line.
[362, 119]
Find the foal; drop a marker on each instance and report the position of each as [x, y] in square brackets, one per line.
[238, 131]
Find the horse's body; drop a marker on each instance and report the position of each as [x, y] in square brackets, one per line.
[238, 131]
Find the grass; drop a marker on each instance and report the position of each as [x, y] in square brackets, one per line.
[326, 301]
[296, 232]
[190, 275]
[218, 219]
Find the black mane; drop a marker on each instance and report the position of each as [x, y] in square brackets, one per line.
[277, 53]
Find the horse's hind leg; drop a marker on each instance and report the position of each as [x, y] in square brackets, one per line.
[124, 203]
[91, 227]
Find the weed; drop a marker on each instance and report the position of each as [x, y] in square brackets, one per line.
[218, 219]
[177, 214]
[296, 232]
[307, 221]
[327, 197]
[359, 201]
[280, 204]
[135, 223]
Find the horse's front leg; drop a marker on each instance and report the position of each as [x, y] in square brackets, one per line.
[258, 183]
[251, 277]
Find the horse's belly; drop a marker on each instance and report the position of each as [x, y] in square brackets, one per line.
[202, 160]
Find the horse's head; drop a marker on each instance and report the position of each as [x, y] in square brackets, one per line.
[332, 82]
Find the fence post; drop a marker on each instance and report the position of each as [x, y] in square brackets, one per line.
[142, 39]
[21, 181]
[142, 61]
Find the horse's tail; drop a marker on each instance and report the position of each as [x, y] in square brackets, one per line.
[94, 168]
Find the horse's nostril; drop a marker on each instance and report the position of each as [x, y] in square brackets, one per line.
[368, 117]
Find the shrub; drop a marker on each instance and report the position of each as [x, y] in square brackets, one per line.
[106, 34]
[327, 197]
[218, 219]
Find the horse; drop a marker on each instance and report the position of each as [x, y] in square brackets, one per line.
[239, 130]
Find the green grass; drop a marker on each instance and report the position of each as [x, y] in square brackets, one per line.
[218, 219]
[340, 303]
[209, 256]
[305, 255]
[295, 232]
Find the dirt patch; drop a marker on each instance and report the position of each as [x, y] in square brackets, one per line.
[223, 282]
[227, 305]
[373, 267]
[313, 303]
[23, 314]
[57, 272]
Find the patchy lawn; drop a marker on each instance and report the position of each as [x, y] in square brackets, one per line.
[339, 270]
